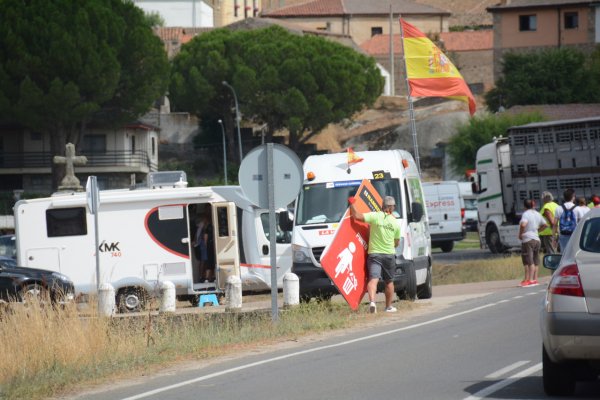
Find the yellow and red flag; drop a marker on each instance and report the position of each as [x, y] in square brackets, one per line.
[352, 157]
[430, 73]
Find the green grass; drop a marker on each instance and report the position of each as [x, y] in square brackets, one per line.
[471, 241]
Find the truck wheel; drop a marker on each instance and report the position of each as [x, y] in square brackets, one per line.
[492, 239]
[410, 291]
[447, 246]
[558, 378]
[425, 291]
[131, 299]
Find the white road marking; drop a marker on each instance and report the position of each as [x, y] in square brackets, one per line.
[503, 383]
[500, 372]
[308, 351]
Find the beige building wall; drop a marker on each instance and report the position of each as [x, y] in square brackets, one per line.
[226, 12]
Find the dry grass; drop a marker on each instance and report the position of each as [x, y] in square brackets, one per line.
[497, 269]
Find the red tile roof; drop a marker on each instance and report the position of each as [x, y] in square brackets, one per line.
[468, 40]
[313, 8]
[179, 34]
[352, 7]
[453, 41]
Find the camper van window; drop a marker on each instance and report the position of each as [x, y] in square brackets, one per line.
[66, 222]
[322, 203]
[223, 221]
[170, 212]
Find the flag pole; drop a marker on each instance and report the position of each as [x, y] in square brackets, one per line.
[411, 110]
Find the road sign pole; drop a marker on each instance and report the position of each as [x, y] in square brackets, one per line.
[272, 232]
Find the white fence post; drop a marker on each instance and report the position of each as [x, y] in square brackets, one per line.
[106, 300]
[291, 290]
[167, 297]
[233, 293]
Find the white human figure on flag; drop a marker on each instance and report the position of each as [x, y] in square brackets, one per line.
[345, 258]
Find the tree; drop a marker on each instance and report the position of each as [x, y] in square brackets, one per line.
[298, 83]
[65, 63]
[481, 130]
[556, 76]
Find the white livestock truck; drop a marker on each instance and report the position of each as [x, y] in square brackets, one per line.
[536, 157]
[145, 237]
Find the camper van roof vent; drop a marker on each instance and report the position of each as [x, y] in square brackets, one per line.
[166, 179]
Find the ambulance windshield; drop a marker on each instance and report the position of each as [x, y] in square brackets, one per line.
[322, 203]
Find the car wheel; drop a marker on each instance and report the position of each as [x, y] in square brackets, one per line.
[323, 297]
[447, 246]
[410, 291]
[32, 292]
[425, 291]
[558, 378]
[131, 300]
[492, 238]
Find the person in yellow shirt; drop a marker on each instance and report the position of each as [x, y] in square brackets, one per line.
[549, 241]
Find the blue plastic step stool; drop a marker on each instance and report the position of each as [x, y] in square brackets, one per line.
[208, 298]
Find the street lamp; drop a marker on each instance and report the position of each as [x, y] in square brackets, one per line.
[237, 115]
[224, 152]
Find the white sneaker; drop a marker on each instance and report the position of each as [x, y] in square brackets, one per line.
[372, 307]
[391, 309]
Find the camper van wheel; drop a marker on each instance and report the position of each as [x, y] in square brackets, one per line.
[410, 291]
[131, 300]
[492, 238]
[425, 290]
[447, 246]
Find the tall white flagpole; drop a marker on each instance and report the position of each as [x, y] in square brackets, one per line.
[411, 110]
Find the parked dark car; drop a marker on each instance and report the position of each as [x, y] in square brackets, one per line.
[8, 247]
[19, 283]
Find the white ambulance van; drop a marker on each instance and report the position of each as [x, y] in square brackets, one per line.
[446, 212]
[323, 199]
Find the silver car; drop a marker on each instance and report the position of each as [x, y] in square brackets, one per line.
[570, 317]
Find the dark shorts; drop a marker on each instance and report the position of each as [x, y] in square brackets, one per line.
[381, 266]
[530, 252]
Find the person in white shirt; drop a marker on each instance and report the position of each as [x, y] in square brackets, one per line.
[581, 209]
[564, 236]
[530, 225]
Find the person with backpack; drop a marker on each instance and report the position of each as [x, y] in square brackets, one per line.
[567, 220]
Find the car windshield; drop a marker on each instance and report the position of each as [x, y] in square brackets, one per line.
[322, 203]
[471, 204]
[8, 246]
[590, 236]
[8, 262]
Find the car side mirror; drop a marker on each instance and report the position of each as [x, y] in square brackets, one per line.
[551, 261]
[285, 222]
[417, 211]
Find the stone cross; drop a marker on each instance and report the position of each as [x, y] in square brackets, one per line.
[70, 181]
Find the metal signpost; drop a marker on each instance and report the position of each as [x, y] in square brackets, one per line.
[93, 201]
[271, 176]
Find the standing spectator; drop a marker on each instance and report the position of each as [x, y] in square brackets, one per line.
[531, 223]
[591, 203]
[384, 237]
[596, 201]
[580, 209]
[565, 218]
[549, 240]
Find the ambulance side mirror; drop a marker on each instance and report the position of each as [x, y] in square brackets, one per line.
[416, 212]
[285, 222]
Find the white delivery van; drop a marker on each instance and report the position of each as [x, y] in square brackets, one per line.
[145, 238]
[446, 212]
[470, 200]
[323, 199]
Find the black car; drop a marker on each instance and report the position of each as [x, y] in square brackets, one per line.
[19, 283]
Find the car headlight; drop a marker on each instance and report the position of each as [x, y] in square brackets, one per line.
[301, 254]
[60, 276]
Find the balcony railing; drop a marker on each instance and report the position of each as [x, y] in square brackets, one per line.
[39, 159]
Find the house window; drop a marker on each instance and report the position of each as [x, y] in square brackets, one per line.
[527, 23]
[376, 30]
[94, 144]
[571, 20]
[153, 146]
[132, 144]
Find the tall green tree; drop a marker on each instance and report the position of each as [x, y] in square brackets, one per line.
[556, 76]
[287, 81]
[481, 130]
[65, 63]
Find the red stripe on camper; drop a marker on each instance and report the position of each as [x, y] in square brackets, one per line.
[255, 266]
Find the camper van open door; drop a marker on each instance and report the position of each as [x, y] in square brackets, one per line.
[226, 245]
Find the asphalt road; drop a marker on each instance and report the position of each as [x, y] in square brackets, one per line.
[456, 256]
[481, 347]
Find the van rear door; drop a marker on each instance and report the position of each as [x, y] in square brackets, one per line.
[226, 242]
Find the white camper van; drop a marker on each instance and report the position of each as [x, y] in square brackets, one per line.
[323, 199]
[446, 211]
[146, 237]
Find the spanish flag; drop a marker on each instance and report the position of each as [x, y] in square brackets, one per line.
[430, 73]
[352, 157]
